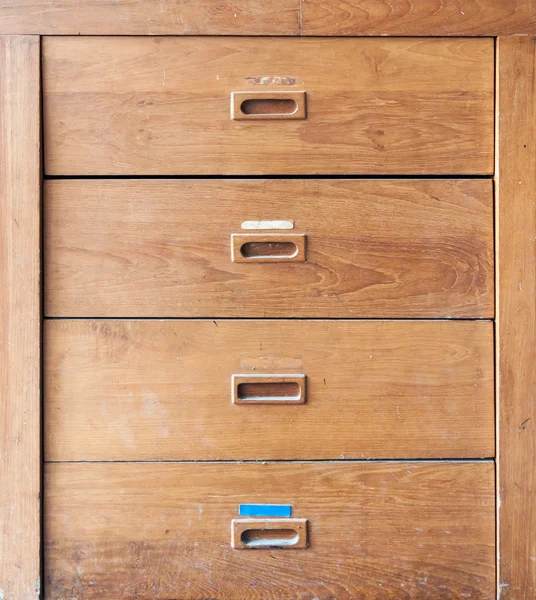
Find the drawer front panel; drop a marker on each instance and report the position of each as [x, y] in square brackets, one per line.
[153, 105]
[423, 531]
[207, 390]
[357, 248]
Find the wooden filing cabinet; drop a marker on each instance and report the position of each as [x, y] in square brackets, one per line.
[279, 271]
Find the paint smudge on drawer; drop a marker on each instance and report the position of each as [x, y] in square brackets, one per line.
[268, 80]
[270, 361]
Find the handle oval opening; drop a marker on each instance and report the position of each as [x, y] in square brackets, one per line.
[269, 106]
[269, 250]
[281, 390]
[273, 538]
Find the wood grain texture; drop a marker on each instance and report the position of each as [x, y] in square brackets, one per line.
[161, 106]
[516, 357]
[374, 249]
[138, 390]
[19, 318]
[149, 17]
[418, 17]
[420, 531]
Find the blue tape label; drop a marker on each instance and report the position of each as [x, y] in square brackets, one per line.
[265, 510]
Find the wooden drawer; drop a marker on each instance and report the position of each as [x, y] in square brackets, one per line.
[163, 248]
[421, 531]
[146, 390]
[161, 105]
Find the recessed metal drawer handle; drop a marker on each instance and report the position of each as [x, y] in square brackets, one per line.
[268, 247]
[268, 105]
[268, 389]
[256, 538]
[269, 533]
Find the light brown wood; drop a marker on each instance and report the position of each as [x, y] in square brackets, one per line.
[137, 390]
[374, 249]
[19, 318]
[422, 531]
[418, 17]
[516, 353]
[140, 17]
[160, 106]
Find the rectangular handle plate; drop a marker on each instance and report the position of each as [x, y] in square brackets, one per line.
[268, 389]
[249, 534]
[268, 247]
[287, 105]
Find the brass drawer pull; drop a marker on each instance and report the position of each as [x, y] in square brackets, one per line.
[268, 389]
[268, 247]
[269, 533]
[268, 105]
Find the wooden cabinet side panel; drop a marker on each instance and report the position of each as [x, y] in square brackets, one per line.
[516, 349]
[19, 318]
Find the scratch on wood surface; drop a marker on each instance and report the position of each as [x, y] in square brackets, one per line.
[341, 301]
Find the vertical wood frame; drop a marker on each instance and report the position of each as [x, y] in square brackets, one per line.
[19, 317]
[516, 316]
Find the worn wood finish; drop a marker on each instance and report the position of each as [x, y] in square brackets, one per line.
[516, 354]
[423, 531]
[374, 249]
[418, 17]
[139, 17]
[19, 318]
[120, 390]
[161, 106]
